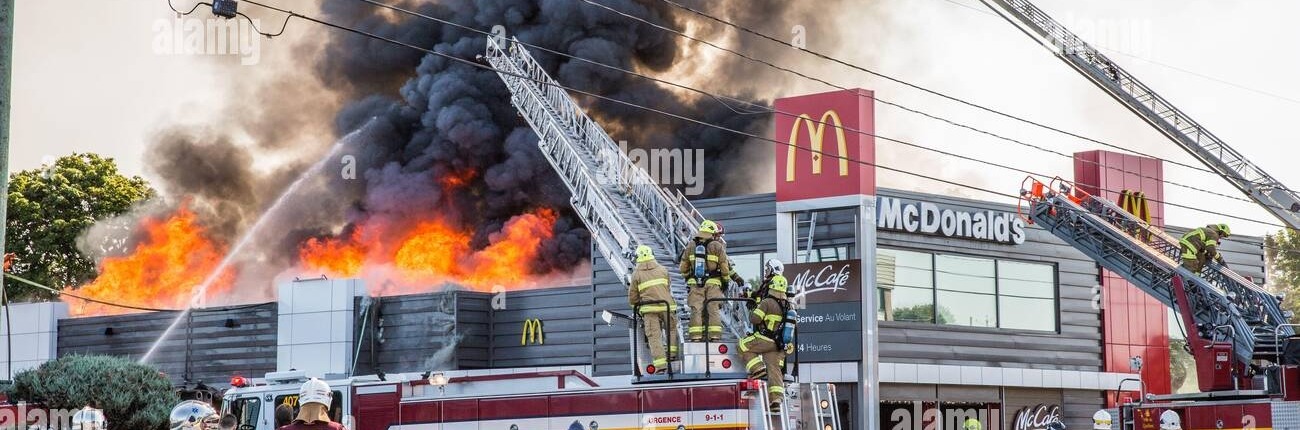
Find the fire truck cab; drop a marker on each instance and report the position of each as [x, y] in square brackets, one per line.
[530, 399]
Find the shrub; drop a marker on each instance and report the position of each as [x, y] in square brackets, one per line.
[132, 395]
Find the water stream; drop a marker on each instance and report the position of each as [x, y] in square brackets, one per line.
[201, 291]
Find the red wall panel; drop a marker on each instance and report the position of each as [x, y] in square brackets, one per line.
[1133, 323]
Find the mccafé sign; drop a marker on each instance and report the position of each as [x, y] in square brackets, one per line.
[930, 218]
[823, 143]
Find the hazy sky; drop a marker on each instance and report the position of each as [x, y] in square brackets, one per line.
[89, 77]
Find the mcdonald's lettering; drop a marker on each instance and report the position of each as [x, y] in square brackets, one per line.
[816, 131]
[533, 332]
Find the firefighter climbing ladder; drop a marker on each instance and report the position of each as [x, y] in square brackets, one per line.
[1279, 200]
[1219, 298]
[620, 203]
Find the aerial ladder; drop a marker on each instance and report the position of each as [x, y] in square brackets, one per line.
[1175, 124]
[622, 206]
[1233, 326]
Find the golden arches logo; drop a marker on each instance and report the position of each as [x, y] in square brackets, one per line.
[533, 332]
[816, 131]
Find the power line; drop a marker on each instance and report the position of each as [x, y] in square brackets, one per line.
[766, 109]
[877, 74]
[122, 305]
[693, 120]
[922, 113]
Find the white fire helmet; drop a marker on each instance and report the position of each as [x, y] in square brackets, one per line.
[1169, 420]
[315, 391]
[194, 415]
[89, 418]
[1101, 420]
[773, 267]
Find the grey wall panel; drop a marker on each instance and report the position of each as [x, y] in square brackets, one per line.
[421, 332]
[1079, 406]
[566, 316]
[219, 351]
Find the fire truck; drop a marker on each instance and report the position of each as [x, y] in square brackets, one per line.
[1246, 351]
[563, 399]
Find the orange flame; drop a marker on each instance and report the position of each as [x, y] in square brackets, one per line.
[162, 272]
[437, 251]
[335, 257]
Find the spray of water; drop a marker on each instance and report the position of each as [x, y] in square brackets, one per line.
[201, 291]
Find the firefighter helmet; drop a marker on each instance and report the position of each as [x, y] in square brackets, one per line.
[315, 391]
[1101, 420]
[709, 227]
[194, 415]
[779, 284]
[1169, 420]
[1224, 230]
[644, 254]
[773, 267]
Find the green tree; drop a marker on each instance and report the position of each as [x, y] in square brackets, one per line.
[132, 395]
[49, 207]
[1282, 258]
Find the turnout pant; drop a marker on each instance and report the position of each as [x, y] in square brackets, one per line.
[696, 295]
[661, 346]
[763, 359]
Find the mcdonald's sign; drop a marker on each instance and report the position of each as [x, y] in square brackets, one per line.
[533, 332]
[825, 138]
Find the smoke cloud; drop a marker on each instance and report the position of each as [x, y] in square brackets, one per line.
[443, 139]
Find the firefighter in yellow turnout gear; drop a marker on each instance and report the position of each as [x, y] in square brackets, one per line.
[704, 265]
[1201, 245]
[760, 352]
[650, 288]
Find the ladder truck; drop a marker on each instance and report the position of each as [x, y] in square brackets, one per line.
[1239, 336]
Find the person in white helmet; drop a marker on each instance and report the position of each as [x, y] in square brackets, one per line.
[1101, 420]
[1169, 420]
[314, 400]
[194, 415]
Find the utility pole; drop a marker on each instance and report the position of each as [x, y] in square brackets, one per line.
[6, 71]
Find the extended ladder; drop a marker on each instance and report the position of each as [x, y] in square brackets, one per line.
[1155, 110]
[620, 203]
[1219, 298]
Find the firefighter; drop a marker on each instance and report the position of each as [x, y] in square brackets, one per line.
[704, 264]
[194, 415]
[314, 398]
[650, 289]
[1169, 420]
[771, 268]
[1101, 420]
[1201, 245]
[764, 350]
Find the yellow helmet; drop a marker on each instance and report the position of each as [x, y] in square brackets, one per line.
[1224, 229]
[779, 284]
[644, 254]
[709, 227]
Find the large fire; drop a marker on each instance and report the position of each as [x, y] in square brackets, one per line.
[434, 252]
[173, 258]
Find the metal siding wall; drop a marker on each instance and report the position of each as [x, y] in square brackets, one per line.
[418, 330]
[220, 352]
[565, 314]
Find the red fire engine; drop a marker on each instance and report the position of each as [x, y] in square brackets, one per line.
[558, 399]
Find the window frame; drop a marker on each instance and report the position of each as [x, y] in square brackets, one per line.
[997, 291]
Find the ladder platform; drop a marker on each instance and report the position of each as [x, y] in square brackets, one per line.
[660, 378]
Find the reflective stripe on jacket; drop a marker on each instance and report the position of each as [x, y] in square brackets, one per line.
[649, 284]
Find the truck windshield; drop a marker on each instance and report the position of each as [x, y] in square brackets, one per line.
[243, 411]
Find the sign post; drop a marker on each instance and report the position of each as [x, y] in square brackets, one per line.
[824, 162]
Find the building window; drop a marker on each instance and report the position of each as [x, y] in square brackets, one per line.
[954, 289]
[966, 290]
[1026, 296]
[906, 285]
